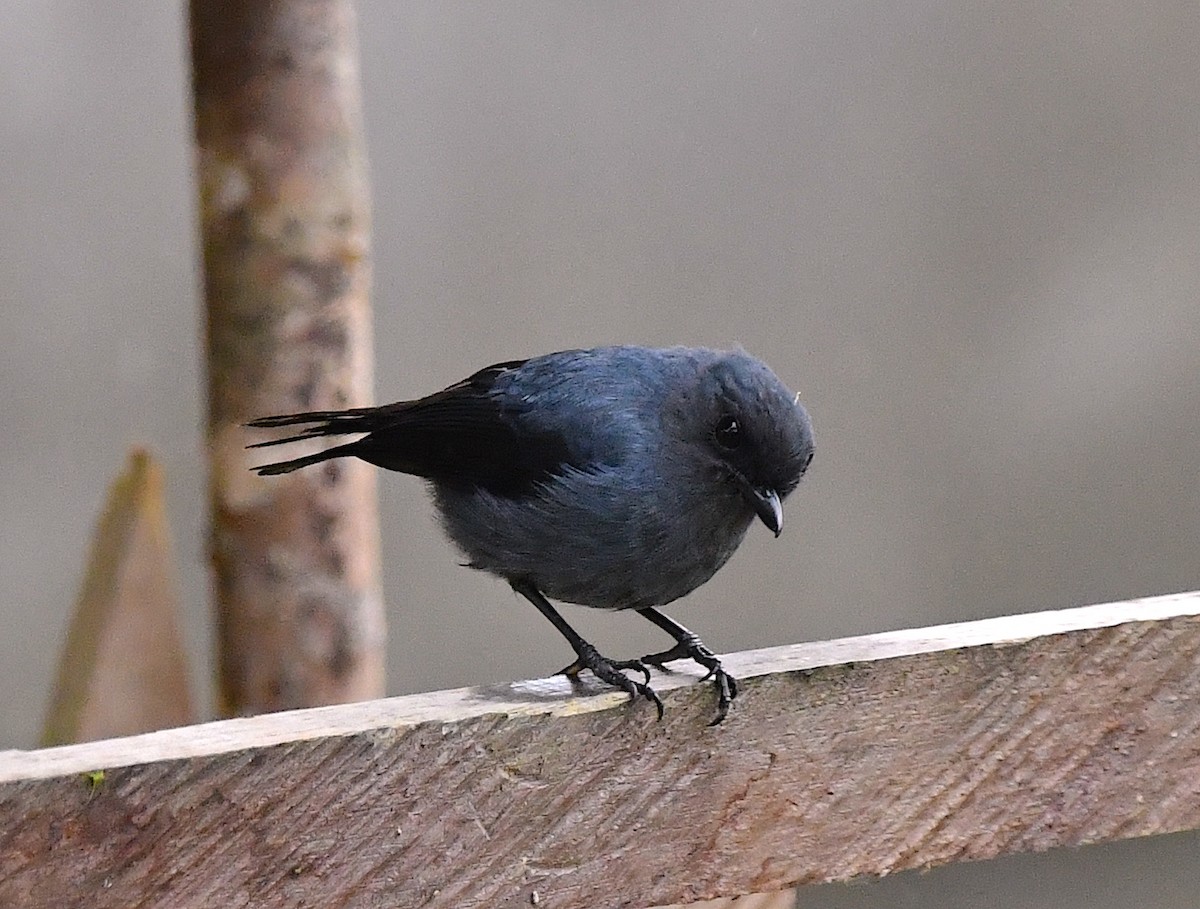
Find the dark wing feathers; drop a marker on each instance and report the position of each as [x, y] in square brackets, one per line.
[463, 435]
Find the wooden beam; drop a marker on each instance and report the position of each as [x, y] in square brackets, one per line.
[861, 756]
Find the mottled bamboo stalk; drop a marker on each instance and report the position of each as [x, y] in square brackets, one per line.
[284, 214]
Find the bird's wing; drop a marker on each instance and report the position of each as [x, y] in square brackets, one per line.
[467, 435]
[464, 435]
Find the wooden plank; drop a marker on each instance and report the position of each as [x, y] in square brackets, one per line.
[861, 756]
[780, 899]
[124, 668]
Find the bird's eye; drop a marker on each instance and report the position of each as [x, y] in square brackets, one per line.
[728, 433]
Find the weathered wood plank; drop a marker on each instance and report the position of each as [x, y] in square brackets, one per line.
[123, 668]
[780, 899]
[860, 756]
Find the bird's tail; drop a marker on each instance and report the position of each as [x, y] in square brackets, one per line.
[317, 423]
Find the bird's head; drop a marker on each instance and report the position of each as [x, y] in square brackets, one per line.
[752, 431]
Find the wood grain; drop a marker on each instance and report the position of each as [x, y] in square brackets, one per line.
[862, 756]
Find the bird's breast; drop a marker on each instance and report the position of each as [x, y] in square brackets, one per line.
[597, 542]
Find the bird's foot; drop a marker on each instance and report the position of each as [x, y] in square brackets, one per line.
[690, 647]
[611, 672]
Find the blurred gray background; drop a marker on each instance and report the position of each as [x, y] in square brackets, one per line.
[966, 231]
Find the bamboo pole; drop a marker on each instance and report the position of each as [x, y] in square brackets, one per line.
[284, 217]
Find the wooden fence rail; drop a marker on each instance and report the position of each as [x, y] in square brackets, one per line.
[860, 756]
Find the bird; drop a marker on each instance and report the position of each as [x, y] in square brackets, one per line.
[618, 478]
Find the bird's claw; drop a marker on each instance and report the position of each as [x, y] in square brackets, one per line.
[690, 647]
[611, 672]
[726, 692]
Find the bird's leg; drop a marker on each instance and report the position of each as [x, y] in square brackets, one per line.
[689, 646]
[587, 657]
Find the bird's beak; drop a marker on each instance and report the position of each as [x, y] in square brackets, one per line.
[766, 505]
[769, 509]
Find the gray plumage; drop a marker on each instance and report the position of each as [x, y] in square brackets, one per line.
[616, 477]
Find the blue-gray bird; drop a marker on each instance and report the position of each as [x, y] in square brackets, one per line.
[616, 477]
